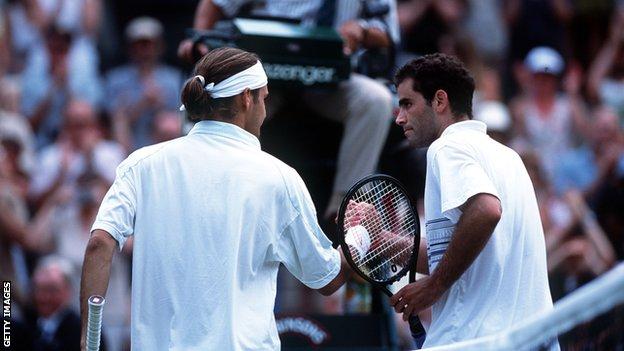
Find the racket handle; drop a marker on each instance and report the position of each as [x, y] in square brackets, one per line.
[417, 330]
[94, 322]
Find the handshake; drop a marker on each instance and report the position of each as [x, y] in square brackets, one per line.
[365, 232]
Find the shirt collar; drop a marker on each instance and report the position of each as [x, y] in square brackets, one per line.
[227, 130]
[469, 125]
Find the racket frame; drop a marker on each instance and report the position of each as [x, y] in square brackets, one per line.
[347, 253]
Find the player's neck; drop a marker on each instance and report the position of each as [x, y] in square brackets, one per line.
[448, 119]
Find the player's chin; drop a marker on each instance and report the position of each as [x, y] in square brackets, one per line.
[418, 140]
[415, 141]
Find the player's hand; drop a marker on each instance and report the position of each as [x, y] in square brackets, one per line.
[185, 50]
[384, 238]
[416, 297]
[359, 212]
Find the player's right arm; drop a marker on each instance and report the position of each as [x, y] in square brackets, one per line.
[206, 15]
[481, 214]
[339, 280]
[95, 273]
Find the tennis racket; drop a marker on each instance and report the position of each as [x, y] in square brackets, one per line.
[94, 322]
[380, 232]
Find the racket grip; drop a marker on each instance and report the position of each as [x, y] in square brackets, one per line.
[417, 330]
[94, 322]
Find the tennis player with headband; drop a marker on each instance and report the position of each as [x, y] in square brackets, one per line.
[212, 217]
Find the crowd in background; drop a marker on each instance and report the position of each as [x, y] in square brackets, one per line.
[550, 84]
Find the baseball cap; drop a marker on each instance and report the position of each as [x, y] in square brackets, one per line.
[494, 114]
[543, 59]
[143, 28]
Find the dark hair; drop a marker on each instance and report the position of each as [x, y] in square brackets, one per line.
[440, 72]
[216, 66]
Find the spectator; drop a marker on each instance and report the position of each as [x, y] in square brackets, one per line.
[68, 237]
[52, 77]
[536, 23]
[486, 26]
[56, 326]
[497, 119]
[14, 126]
[578, 248]
[545, 118]
[18, 232]
[595, 162]
[137, 91]
[29, 20]
[438, 19]
[13, 216]
[79, 153]
[606, 75]
[582, 252]
[167, 126]
[555, 215]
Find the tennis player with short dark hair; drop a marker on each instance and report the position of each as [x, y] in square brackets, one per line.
[212, 217]
[485, 243]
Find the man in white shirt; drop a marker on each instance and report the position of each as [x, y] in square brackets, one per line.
[212, 217]
[485, 243]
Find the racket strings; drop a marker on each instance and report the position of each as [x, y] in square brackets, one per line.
[392, 213]
[394, 224]
[399, 221]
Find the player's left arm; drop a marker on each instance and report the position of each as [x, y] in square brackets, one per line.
[480, 215]
[95, 273]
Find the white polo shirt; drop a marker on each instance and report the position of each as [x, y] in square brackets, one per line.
[508, 281]
[212, 216]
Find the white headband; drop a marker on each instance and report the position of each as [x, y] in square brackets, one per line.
[252, 78]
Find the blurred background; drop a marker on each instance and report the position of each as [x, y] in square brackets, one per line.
[83, 83]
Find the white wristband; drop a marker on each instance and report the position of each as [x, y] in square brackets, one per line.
[358, 238]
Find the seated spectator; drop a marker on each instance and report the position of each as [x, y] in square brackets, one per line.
[137, 91]
[55, 325]
[544, 118]
[80, 151]
[51, 83]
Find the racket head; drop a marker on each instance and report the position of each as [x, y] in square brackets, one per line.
[397, 215]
